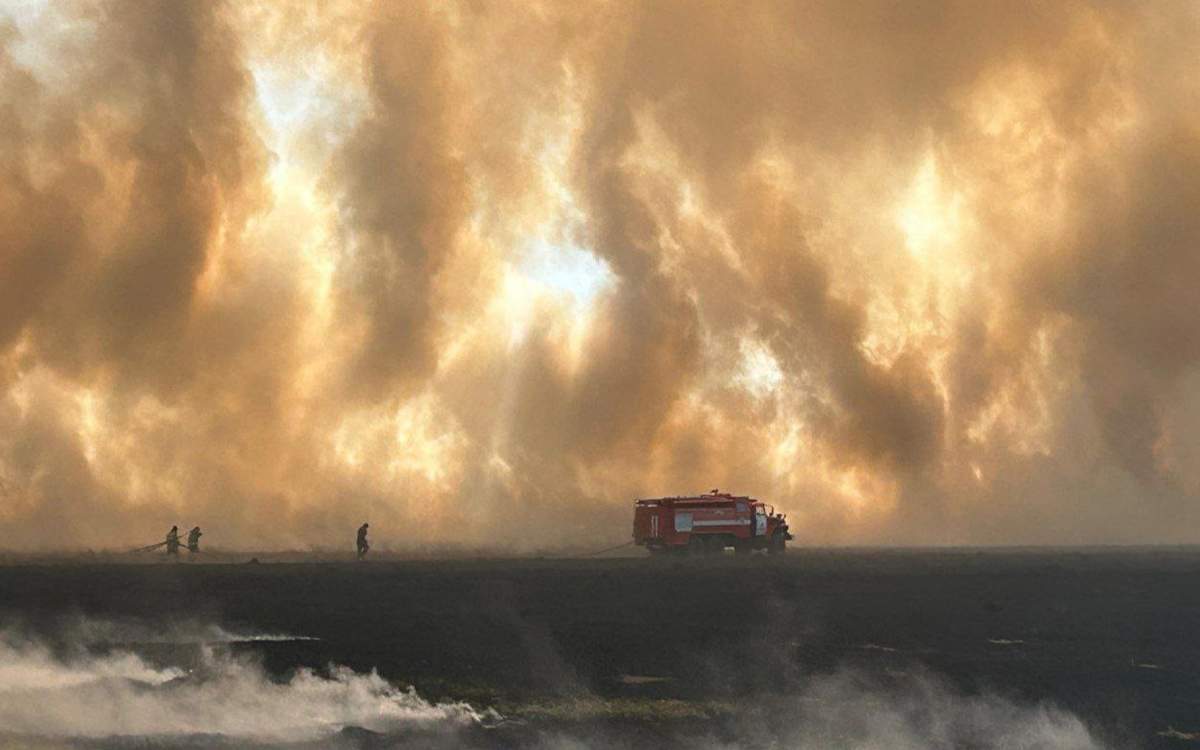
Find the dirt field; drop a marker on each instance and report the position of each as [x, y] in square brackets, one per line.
[736, 652]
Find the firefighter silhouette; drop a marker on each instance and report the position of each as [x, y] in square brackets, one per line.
[193, 541]
[173, 541]
[363, 545]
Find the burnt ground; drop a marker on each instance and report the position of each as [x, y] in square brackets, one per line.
[648, 645]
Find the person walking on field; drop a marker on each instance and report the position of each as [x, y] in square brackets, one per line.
[193, 543]
[173, 541]
[363, 546]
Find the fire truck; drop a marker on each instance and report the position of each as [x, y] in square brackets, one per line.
[708, 524]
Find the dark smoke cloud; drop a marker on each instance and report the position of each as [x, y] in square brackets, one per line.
[914, 273]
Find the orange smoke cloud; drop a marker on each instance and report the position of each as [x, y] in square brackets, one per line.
[482, 274]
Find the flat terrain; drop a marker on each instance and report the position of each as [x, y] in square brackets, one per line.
[681, 648]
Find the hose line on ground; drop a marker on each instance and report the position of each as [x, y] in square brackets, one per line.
[602, 551]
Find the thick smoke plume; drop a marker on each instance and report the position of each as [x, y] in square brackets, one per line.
[481, 274]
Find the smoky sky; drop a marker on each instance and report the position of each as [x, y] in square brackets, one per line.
[481, 272]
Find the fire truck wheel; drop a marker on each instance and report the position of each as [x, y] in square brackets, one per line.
[715, 545]
[696, 545]
[743, 548]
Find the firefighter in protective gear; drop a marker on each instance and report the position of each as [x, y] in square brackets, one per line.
[363, 546]
[193, 543]
[173, 541]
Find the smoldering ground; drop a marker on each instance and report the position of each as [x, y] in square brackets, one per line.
[823, 648]
[83, 693]
[915, 273]
[79, 696]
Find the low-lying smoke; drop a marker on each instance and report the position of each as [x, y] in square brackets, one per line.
[922, 712]
[118, 694]
[71, 693]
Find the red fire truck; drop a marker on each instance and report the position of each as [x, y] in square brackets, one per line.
[707, 524]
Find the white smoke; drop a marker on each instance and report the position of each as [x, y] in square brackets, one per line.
[89, 631]
[922, 712]
[119, 694]
[71, 694]
[855, 710]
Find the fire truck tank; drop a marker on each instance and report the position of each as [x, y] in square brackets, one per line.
[708, 524]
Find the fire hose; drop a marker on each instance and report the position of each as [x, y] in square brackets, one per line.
[606, 549]
[149, 547]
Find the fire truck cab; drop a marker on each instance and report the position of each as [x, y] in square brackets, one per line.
[708, 524]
